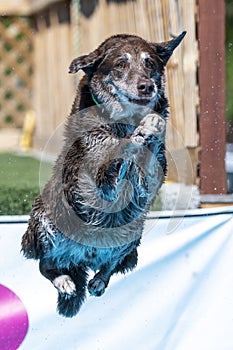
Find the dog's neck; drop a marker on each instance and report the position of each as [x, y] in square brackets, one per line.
[94, 99]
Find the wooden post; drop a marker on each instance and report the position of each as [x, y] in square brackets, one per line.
[211, 33]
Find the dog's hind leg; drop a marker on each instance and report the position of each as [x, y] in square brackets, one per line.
[99, 282]
[70, 283]
[128, 263]
[69, 305]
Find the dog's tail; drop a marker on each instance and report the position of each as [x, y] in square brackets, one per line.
[68, 305]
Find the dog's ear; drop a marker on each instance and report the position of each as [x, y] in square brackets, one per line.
[86, 62]
[164, 50]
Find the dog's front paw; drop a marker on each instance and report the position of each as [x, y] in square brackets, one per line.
[64, 284]
[96, 287]
[151, 125]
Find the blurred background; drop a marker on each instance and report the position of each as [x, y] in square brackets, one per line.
[39, 39]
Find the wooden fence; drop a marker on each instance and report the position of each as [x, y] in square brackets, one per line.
[156, 21]
[53, 86]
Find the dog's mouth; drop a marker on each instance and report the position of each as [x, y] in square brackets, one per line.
[133, 98]
[140, 101]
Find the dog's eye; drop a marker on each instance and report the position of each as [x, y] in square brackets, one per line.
[149, 64]
[120, 65]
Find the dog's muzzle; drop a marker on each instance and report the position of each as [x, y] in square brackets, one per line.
[146, 88]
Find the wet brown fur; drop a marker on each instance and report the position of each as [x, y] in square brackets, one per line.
[86, 216]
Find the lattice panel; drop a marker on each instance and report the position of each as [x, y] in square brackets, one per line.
[15, 70]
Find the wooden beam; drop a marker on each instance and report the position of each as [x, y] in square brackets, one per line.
[24, 7]
[211, 33]
[216, 198]
[14, 7]
[38, 5]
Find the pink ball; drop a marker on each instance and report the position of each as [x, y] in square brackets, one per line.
[13, 320]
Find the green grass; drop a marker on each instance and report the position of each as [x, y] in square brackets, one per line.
[21, 178]
[19, 182]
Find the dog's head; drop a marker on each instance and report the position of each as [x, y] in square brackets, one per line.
[126, 71]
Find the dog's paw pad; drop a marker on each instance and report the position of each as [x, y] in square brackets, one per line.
[96, 287]
[64, 284]
[152, 124]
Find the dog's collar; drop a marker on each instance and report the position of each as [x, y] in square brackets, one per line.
[94, 99]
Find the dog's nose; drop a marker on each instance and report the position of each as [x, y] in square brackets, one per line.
[145, 87]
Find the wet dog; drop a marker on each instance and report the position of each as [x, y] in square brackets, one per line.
[91, 213]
